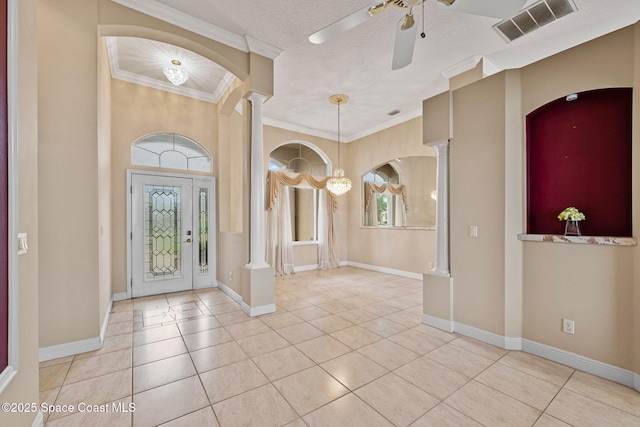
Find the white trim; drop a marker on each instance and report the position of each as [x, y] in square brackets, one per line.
[461, 67]
[297, 268]
[437, 322]
[582, 363]
[258, 310]
[77, 347]
[489, 337]
[120, 296]
[180, 19]
[69, 349]
[564, 357]
[393, 271]
[38, 421]
[230, 292]
[13, 342]
[262, 48]
[344, 138]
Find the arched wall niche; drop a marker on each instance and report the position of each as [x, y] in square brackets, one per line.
[579, 155]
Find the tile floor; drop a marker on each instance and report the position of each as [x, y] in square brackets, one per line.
[345, 348]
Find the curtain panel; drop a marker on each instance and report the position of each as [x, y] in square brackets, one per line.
[279, 236]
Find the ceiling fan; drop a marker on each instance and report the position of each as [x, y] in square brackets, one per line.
[406, 29]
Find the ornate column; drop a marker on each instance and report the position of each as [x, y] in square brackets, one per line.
[442, 210]
[258, 237]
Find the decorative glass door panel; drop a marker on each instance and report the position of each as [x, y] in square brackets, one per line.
[162, 232]
[161, 238]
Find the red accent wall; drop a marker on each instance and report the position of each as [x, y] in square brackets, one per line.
[4, 194]
[579, 154]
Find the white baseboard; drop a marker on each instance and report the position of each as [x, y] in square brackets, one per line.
[309, 267]
[393, 271]
[230, 292]
[249, 311]
[38, 421]
[257, 311]
[488, 337]
[594, 367]
[77, 347]
[437, 322]
[120, 296]
[576, 361]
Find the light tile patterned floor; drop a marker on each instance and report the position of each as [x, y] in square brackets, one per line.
[344, 348]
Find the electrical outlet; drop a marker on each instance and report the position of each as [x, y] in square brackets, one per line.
[568, 326]
[473, 231]
[430, 265]
[231, 276]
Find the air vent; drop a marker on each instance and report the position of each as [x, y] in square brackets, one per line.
[393, 112]
[535, 16]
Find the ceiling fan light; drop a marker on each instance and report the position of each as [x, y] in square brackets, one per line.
[408, 22]
[176, 73]
[377, 7]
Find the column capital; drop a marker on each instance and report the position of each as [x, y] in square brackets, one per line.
[257, 97]
[440, 145]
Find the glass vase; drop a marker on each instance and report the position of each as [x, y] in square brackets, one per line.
[572, 228]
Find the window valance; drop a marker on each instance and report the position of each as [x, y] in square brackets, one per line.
[297, 180]
[397, 189]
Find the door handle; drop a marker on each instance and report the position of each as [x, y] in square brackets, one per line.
[188, 241]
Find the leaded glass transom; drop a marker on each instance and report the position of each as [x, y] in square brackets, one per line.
[162, 232]
[172, 151]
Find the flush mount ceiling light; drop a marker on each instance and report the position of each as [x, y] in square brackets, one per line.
[338, 184]
[176, 73]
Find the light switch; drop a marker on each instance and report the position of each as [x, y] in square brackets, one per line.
[22, 243]
[473, 231]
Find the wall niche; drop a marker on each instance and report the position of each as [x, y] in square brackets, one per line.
[579, 154]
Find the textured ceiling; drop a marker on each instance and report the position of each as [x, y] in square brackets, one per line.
[358, 62]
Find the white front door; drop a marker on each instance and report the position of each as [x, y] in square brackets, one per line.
[161, 234]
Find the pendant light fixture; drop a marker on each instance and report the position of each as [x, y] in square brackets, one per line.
[338, 184]
[176, 73]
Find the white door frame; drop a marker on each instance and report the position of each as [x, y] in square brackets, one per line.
[199, 181]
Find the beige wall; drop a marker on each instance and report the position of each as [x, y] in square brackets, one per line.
[79, 202]
[594, 286]
[138, 111]
[67, 165]
[477, 198]
[273, 138]
[525, 289]
[398, 249]
[24, 386]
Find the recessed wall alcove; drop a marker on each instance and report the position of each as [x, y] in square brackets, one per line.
[579, 154]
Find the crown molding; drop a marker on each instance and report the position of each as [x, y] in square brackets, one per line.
[180, 19]
[401, 118]
[262, 48]
[461, 67]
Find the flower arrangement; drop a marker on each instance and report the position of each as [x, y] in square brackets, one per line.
[571, 214]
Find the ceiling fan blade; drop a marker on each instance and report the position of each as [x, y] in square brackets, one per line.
[503, 9]
[346, 23]
[405, 42]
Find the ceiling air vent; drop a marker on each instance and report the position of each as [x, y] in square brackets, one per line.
[535, 16]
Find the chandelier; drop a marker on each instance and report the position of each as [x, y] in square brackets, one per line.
[338, 184]
[176, 73]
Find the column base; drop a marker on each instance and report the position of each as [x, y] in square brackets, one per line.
[258, 295]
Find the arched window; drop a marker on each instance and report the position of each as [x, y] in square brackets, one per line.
[301, 158]
[382, 209]
[171, 151]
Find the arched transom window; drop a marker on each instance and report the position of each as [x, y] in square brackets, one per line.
[172, 151]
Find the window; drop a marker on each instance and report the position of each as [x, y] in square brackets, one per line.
[171, 151]
[301, 158]
[381, 209]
